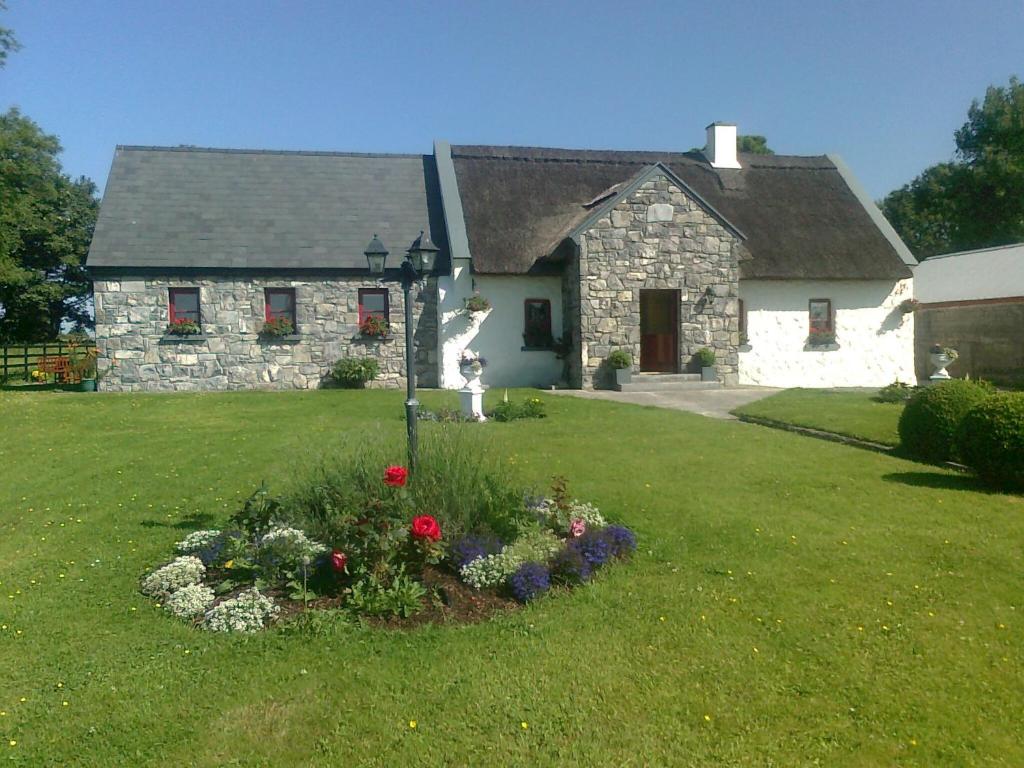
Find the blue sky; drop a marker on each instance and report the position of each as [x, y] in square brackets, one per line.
[884, 84]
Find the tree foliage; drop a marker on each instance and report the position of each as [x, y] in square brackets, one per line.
[978, 200]
[46, 224]
[754, 145]
[8, 44]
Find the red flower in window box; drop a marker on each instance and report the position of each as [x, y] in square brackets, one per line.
[425, 527]
[182, 326]
[395, 476]
[277, 326]
[374, 325]
[338, 560]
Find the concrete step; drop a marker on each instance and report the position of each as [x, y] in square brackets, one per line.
[662, 382]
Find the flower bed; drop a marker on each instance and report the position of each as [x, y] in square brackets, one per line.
[362, 541]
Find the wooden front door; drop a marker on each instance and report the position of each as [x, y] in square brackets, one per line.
[659, 331]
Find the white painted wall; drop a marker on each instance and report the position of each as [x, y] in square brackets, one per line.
[991, 273]
[497, 336]
[875, 339]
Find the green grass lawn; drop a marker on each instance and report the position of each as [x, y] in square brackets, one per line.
[794, 602]
[846, 412]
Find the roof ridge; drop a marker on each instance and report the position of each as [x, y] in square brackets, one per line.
[620, 156]
[231, 151]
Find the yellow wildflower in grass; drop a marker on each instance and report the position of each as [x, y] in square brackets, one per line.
[707, 718]
[412, 724]
[13, 743]
[524, 725]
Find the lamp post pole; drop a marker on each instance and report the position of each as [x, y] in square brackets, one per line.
[418, 263]
[411, 404]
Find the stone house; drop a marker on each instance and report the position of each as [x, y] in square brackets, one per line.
[782, 265]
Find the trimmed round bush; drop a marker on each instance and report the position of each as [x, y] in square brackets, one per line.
[991, 439]
[929, 423]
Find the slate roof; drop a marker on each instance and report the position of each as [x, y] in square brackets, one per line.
[800, 217]
[217, 209]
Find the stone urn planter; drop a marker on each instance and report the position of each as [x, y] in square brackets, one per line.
[708, 373]
[941, 358]
[623, 376]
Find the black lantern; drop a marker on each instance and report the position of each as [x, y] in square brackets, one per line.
[422, 254]
[376, 253]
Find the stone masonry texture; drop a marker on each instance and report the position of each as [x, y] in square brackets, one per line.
[132, 315]
[658, 237]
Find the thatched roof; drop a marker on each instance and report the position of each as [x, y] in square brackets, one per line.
[800, 217]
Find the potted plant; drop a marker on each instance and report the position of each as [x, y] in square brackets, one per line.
[183, 327]
[374, 326]
[477, 303]
[705, 358]
[471, 365]
[941, 357]
[277, 327]
[621, 362]
[84, 369]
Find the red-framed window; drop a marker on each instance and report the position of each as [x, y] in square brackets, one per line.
[820, 319]
[537, 323]
[183, 304]
[279, 303]
[373, 302]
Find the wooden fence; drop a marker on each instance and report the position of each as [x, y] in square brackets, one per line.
[19, 360]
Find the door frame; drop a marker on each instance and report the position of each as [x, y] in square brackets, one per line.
[673, 295]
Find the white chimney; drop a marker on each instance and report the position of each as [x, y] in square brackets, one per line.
[721, 147]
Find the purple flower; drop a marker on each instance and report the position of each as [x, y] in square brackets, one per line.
[621, 539]
[593, 546]
[530, 580]
[568, 566]
[472, 546]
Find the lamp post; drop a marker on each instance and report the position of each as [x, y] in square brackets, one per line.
[418, 263]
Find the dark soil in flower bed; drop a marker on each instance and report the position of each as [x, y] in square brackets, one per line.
[448, 601]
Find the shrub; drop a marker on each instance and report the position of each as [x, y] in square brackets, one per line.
[190, 602]
[897, 392]
[620, 358]
[354, 372]
[529, 581]
[705, 357]
[180, 572]
[929, 423]
[249, 612]
[991, 439]
[399, 595]
[459, 479]
[508, 410]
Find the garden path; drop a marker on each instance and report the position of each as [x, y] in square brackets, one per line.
[714, 403]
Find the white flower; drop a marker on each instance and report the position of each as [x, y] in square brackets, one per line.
[196, 541]
[180, 572]
[189, 602]
[249, 612]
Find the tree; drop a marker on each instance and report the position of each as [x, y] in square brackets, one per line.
[978, 200]
[754, 145]
[46, 224]
[7, 42]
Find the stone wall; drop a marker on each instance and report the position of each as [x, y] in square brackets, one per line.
[132, 315]
[656, 238]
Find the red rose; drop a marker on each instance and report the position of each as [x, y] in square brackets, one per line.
[395, 476]
[425, 527]
[338, 560]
